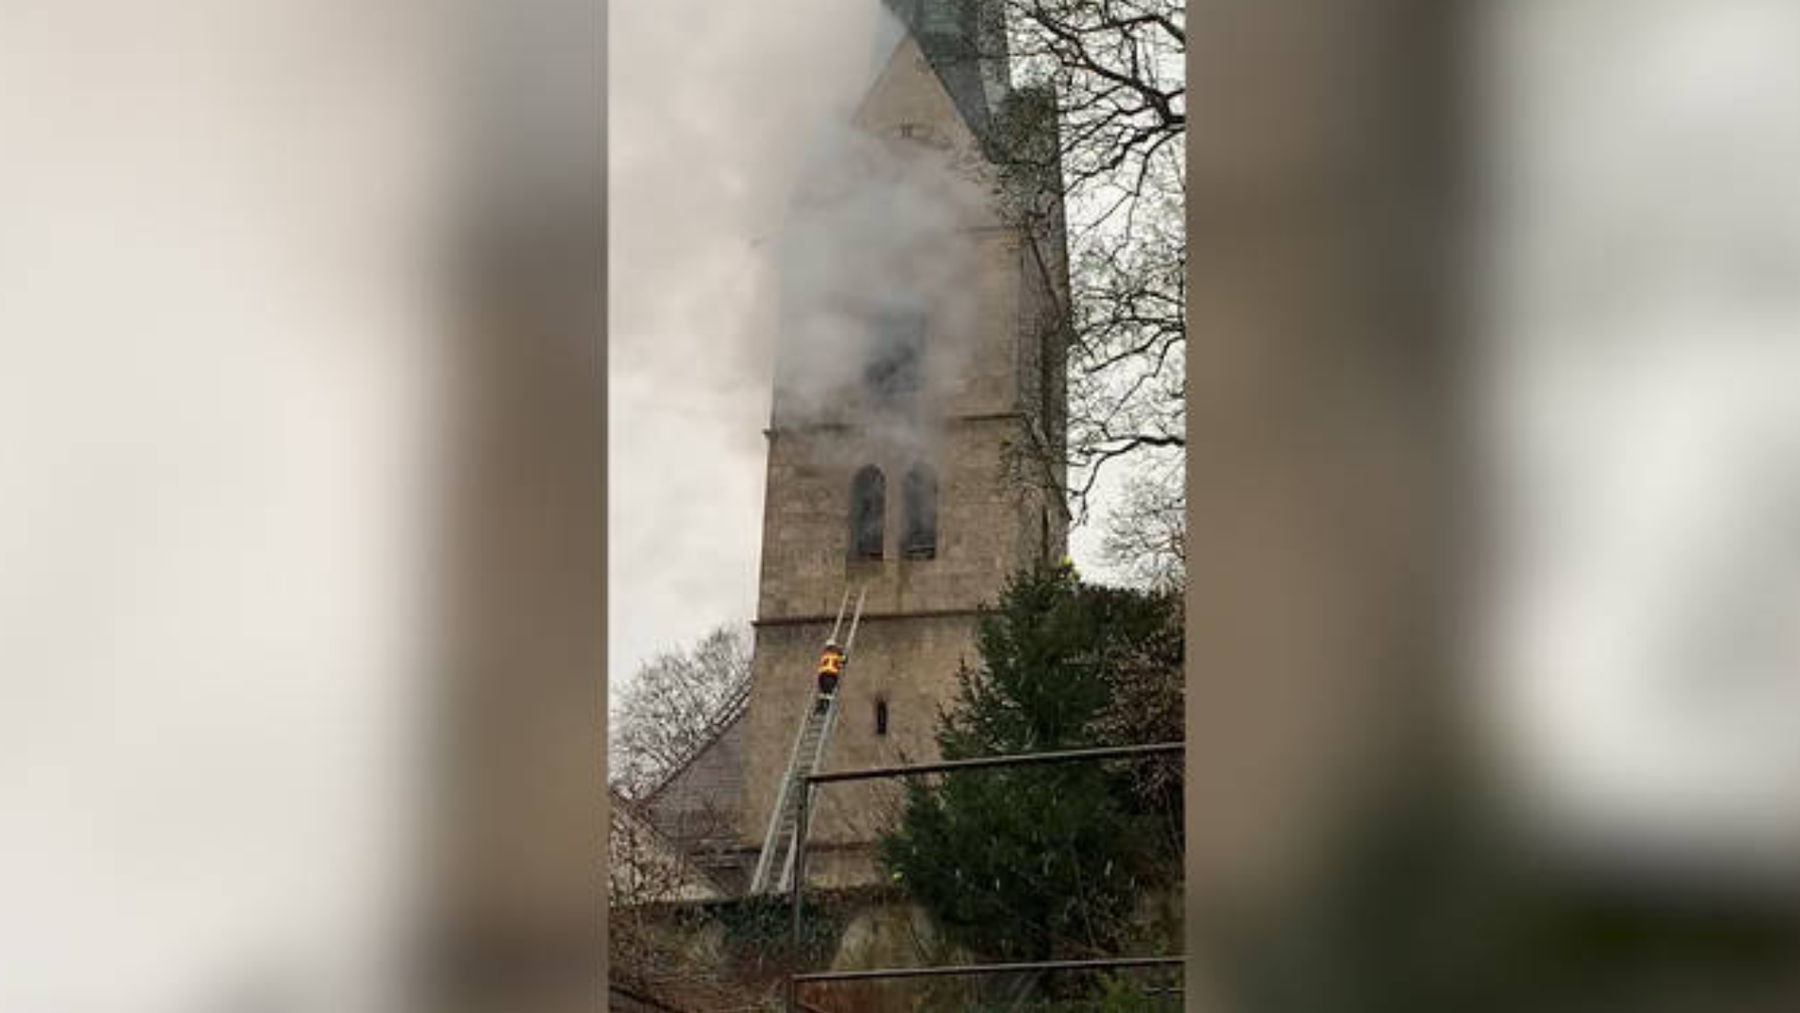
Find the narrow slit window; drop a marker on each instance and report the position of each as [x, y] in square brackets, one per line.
[881, 717]
[919, 497]
[868, 510]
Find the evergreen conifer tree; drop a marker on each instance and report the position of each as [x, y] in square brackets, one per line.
[1041, 862]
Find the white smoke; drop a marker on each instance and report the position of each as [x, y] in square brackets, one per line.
[712, 106]
[880, 229]
[751, 223]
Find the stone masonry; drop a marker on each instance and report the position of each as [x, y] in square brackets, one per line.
[921, 614]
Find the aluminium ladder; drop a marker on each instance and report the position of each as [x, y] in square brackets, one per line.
[775, 866]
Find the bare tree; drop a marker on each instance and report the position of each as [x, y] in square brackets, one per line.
[1146, 532]
[1106, 79]
[647, 867]
[674, 705]
[651, 959]
[1115, 70]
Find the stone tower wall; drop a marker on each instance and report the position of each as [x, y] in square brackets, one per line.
[921, 614]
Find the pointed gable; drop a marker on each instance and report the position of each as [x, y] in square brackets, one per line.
[964, 43]
[909, 104]
[913, 89]
[908, 92]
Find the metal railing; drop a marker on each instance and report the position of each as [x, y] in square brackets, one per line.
[796, 980]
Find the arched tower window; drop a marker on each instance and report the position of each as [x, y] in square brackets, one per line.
[918, 497]
[868, 513]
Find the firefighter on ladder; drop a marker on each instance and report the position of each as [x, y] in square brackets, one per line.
[831, 667]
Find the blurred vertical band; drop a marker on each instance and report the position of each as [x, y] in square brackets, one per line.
[516, 920]
[1322, 426]
[1492, 617]
[300, 462]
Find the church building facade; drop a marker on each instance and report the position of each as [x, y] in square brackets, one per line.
[926, 469]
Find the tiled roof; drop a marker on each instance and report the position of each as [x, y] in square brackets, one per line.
[702, 801]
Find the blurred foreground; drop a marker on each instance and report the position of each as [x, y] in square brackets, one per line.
[1496, 630]
[299, 614]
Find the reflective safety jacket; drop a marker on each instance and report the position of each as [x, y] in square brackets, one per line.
[831, 662]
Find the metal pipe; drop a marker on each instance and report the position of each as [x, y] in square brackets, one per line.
[799, 875]
[1013, 760]
[1095, 964]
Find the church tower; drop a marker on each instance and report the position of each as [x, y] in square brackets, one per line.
[916, 430]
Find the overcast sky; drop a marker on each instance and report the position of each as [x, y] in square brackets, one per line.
[711, 105]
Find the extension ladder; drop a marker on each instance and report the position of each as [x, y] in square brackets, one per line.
[775, 866]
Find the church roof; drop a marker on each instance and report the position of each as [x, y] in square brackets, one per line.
[728, 737]
[700, 802]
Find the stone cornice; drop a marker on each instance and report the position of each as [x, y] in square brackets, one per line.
[968, 418]
[868, 617]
